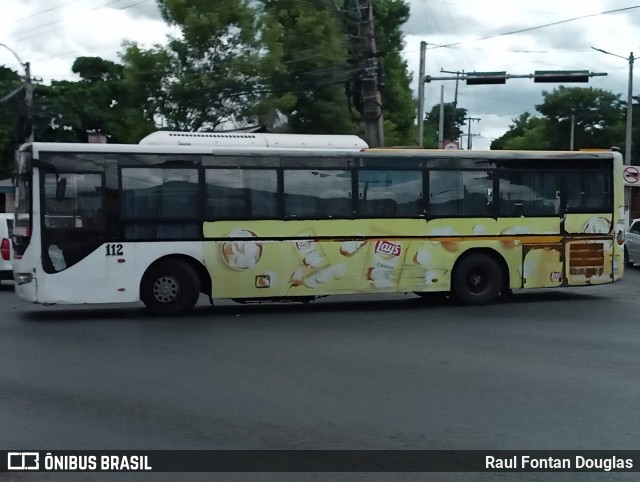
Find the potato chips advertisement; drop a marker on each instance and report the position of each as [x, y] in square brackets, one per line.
[254, 259]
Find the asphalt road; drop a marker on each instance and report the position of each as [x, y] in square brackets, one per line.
[547, 369]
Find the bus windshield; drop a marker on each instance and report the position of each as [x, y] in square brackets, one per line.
[22, 208]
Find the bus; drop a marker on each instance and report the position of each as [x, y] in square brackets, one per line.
[262, 218]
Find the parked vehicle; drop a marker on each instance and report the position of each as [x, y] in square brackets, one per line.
[632, 244]
[6, 246]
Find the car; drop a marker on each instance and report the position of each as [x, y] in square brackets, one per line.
[6, 246]
[632, 243]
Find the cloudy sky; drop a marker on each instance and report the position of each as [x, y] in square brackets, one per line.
[516, 36]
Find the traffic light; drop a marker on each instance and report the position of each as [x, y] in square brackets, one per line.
[561, 76]
[479, 78]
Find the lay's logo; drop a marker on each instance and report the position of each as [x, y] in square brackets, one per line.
[388, 248]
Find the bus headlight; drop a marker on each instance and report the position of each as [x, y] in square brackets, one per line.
[22, 278]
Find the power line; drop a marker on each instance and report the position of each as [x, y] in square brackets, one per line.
[529, 29]
[46, 10]
[22, 39]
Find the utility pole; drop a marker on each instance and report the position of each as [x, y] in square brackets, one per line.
[369, 71]
[28, 99]
[27, 85]
[573, 132]
[470, 119]
[423, 52]
[628, 140]
[455, 98]
[441, 120]
[627, 146]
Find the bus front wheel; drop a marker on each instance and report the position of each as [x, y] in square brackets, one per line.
[477, 279]
[170, 287]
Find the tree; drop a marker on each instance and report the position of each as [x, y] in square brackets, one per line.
[398, 105]
[594, 111]
[526, 133]
[10, 112]
[278, 62]
[207, 74]
[305, 67]
[598, 118]
[454, 119]
[66, 111]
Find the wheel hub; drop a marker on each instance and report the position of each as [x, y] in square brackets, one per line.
[165, 289]
[477, 281]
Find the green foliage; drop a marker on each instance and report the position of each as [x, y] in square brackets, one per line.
[454, 119]
[594, 112]
[284, 63]
[598, 118]
[526, 133]
[66, 111]
[9, 112]
[399, 107]
[95, 69]
[206, 75]
[304, 68]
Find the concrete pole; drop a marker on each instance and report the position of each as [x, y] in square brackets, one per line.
[441, 120]
[371, 98]
[423, 54]
[628, 141]
[573, 131]
[627, 146]
[29, 102]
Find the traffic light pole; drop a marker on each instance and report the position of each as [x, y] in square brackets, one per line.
[478, 78]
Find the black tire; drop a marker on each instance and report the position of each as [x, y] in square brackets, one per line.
[627, 262]
[170, 287]
[477, 279]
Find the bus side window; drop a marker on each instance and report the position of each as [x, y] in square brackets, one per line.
[460, 193]
[317, 194]
[529, 193]
[588, 192]
[386, 193]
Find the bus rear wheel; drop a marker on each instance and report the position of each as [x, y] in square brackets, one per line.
[170, 287]
[477, 279]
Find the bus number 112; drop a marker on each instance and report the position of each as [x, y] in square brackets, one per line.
[114, 250]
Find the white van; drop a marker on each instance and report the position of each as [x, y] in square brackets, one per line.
[6, 246]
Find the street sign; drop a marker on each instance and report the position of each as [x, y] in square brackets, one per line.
[450, 145]
[631, 176]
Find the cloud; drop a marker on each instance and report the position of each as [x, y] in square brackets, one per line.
[515, 37]
[478, 35]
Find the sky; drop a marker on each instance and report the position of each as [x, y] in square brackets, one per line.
[514, 36]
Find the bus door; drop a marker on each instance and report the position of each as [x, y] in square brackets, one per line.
[75, 233]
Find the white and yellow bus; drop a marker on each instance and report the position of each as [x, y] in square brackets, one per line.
[273, 217]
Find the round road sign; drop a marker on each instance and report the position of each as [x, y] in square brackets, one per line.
[631, 175]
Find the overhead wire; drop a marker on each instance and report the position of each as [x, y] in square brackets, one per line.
[40, 27]
[537, 27]
[46, 11]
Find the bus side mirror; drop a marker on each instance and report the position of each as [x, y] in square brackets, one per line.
[61, 188]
